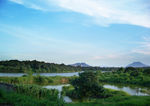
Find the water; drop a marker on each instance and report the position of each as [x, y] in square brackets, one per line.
[67, 99]
[59, 88]
[11, 74]
[42, 74]
[130, 90]
[60, 74]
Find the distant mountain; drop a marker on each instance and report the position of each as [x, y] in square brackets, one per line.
[137, 64]
[81, 65]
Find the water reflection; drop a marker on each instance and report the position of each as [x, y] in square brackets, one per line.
[130, 90]
[42, 74]
[59, 88]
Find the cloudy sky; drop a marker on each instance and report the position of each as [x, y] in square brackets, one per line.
[98, 32]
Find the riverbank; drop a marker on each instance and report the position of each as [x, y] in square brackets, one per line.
[115, 101]
[28, 95]
[39, 80]
[117, 98]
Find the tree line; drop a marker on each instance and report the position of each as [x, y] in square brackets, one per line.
[129, 75]
[16, 66]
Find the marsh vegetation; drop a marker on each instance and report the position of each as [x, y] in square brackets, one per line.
[89, 88]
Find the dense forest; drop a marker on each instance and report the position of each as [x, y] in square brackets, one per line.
[129, 75]
[16, 66]
[100, 68]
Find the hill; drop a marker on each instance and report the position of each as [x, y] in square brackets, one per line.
[80, 65]
[137, 64]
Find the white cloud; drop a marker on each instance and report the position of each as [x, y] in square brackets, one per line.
[104, 12]
[109, 56]
[113, 59]
[113, 56]
[144, 47]
[17, 1]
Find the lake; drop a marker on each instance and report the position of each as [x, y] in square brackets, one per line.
[134, 90]
[42, 74]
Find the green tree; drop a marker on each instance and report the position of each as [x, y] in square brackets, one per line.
[87, 86]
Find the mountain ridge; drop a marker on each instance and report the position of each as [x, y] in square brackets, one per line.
[81, 64]
[137, 64]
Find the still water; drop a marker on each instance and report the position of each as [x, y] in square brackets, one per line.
[59, 88]
[134, 90]
[42, 74]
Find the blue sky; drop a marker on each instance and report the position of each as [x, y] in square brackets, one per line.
[98, 32]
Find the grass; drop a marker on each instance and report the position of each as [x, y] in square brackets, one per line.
[113, 92]
[20, 99]
[34, 95]
[13, 98]
[116, 101]
[145, 91]
[37, 91]
[39, 80]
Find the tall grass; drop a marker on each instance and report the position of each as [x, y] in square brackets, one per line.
[37, 91]
[12, 98]
[40, 80]
[116, 101]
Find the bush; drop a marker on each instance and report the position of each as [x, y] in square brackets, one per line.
[87, 86]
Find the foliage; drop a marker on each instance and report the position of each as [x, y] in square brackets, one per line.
[113, 92]
[40, 80]
[147, 71]
[67, 90]
[115, 101]
[37, 91]
[100, 68]
[12, 98]
[16, 66]
[128, 75]
[87, 86]
[145, 91]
